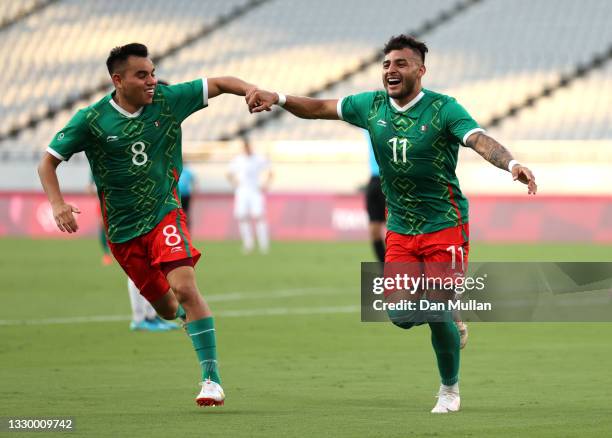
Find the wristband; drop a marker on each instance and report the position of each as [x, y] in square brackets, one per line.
[511, 164]
[282, 99]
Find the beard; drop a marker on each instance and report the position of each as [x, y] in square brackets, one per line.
[408, 85]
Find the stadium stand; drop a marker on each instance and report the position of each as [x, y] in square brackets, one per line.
[298, 47]
[488, 75]
[60, 52]
[13, 11]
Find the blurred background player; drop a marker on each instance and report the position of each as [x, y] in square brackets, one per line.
[250, 175]
[375, 204]
[186, 186]
[416, 134]
[144, 315]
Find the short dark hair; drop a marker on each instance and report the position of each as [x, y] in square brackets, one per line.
[402, 41]
[120, 54]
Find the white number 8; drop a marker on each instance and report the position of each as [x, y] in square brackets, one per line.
[139, 157]
[172, 237]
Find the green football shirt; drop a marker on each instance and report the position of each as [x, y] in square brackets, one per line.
[416, 149]
[135, 159]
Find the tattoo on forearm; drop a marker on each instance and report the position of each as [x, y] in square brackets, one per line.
[491, 150]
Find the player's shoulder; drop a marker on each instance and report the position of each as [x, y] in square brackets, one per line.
[162, 90]
[179, 87]
[443, 103]
[439, 98]
[84, 114]
[369, 95]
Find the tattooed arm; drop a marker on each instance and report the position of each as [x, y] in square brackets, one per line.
[496, 154]
[489, 149]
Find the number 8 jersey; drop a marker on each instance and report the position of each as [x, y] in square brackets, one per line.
[416, 148]
[135, 159]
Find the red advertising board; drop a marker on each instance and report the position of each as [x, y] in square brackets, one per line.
[341, 217]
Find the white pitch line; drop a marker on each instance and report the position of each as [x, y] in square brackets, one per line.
[283, 293]
[273, 311]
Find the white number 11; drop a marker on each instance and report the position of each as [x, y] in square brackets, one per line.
[403, 143]
[453, 258]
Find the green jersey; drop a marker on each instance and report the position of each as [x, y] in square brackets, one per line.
[416, 148]
[135, 159]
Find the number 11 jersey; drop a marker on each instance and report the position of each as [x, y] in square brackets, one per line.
[416, 148]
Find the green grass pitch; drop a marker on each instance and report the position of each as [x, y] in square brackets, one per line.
[294, 356]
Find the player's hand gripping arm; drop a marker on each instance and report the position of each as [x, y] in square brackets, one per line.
[62, 212]
[303, 107]
[229, 85]
[501, 157]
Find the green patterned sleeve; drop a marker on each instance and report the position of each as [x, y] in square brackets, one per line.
[71, 139]
[355, 108]
[186, 98]
[459, 123]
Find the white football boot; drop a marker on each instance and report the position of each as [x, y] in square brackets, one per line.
[448, 401]
[211, 394]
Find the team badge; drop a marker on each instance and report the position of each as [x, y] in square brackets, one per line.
[423, 128]
[156, 123]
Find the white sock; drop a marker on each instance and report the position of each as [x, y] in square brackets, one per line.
[136, 300]
[246, 234]
[261, 228]
[150, 312]
[451, 388]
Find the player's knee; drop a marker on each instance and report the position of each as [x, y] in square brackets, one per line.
[404, 319]
[185, 291]
[403, 324]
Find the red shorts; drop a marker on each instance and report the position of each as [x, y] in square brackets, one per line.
[142, 257]
[440, 254]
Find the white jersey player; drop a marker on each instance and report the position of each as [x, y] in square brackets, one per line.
[250, 175]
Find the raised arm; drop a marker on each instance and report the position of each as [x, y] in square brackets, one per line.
[229, 85]
[303, 107]
[62, 212]
[499, 156]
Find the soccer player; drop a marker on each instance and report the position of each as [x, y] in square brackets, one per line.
[250, 176]
[416, 134]
[132, 139]
[375, 204]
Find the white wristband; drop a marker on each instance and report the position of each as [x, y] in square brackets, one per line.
[511, 164]
[282, 99]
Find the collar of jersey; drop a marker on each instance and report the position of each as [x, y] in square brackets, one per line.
[124, 112]
[409, 105]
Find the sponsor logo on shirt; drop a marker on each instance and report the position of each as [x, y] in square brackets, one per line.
[111, 138]
[381, 122]
[156, 123]
[424, 128]
[175, 249]
[60, 137]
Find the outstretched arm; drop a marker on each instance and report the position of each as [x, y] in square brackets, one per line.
[230, 85]
[303, 107]
[62, 212]
[499, 156]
